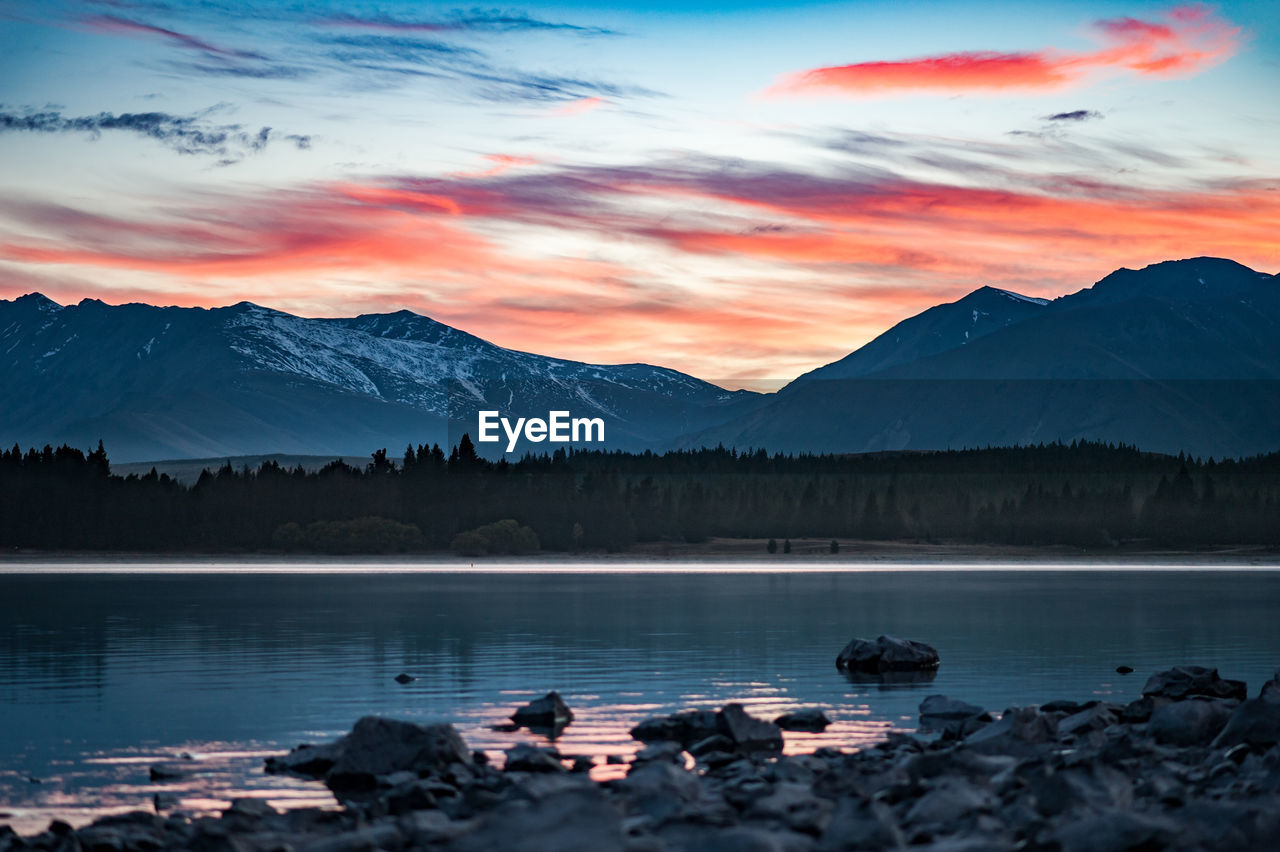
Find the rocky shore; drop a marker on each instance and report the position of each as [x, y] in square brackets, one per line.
[1192, 764]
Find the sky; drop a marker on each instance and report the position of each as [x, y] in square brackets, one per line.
[738, 190]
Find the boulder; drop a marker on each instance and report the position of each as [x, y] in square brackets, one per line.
[578, 819]
[1194, 721]
[1096, 718]
[1256, 722]
[747, 732]
[403, 677]
[378, 746]
[811, 719]
[310, 760]
[1271, 689]
[887, 654]
[549, 711]
[1018, 732]
[1182, 682]
[523, 757]
[686, 728]
[944, 709]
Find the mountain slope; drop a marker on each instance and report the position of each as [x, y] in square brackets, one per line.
[189, 382]
[1182, 355]
[939, 329]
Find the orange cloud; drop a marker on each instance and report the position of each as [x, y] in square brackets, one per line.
[1188, 40]
[501, 163]
[579, 106]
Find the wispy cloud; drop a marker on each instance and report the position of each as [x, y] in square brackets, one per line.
[184, 134]
[1074, 115]
[117, 24]
[474, 20]
[1185, 41]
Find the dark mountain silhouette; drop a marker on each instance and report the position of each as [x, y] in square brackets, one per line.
[173, 383]
[1179, 356]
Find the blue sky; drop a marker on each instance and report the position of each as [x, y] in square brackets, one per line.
[742, 191]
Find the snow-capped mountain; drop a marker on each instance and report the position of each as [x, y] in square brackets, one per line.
[189, 382]
[1178, 356]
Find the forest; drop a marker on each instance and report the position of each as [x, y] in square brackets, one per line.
[1087, 495]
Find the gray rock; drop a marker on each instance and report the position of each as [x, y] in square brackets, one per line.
[378, 746]
[887, 653]
[252, 808]
[1182, 682]
[666, 751]
[310, 760]
[1255, 722]
[685, 728]
[173, 771]
[713, 743]
[572, 820]
[1191, 722]
[940, 707]
[1018, 732]
[809, 719]
[1097, 718]
[659, 790]
[404, 677]
[949, 801]
[860, 824]
[747, 732]
[1271, 689]
[794, 805]
[523, 757]
[549, 711]
[1116, 831]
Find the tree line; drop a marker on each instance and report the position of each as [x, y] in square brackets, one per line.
[1085, 494]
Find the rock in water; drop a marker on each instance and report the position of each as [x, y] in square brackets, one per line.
[405, 678]
[1124, 669]
[747, 732]
[549, 711]
[1182, 682]
[887, 654]
[812, 720]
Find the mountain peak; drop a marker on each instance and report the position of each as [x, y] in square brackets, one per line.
[1191, 279]
[38, 300]
[988, 292]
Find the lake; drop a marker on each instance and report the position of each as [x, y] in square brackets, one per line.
[104, 674]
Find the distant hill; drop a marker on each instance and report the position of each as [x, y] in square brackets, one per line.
[1179, 356]
[171, 383]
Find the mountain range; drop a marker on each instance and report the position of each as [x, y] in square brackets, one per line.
[1179, 356]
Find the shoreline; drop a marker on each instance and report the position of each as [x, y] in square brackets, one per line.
[716, 554]
[1194, 763]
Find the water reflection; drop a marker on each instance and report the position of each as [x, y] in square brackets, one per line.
[102, 676]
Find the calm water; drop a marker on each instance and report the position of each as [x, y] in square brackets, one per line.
[102, 675]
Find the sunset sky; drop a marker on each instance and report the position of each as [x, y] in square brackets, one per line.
[739, 190]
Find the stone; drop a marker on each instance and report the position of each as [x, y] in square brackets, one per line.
[1188, 681]
[937, 710]
[378, 746]
[1195, 721]
[252, 808]
[310, 760]
[747, 732]
[1116, 831]
[713, 743]
[405, 678]
[1097, 718]
[172, 771]
[1017, 732]
[949, 801]
[549, 711]
[1124, 670]
[794, 805]
[885, 654]
[1255, 722]
[572, 820]
[523, 757]
[667, 751]
[809, 719]
[685, 728]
